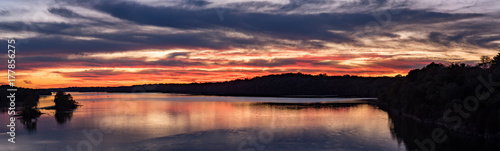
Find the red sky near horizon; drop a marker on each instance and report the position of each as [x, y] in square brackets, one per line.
[100, 43]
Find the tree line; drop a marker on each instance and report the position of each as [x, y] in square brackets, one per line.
[464, 98]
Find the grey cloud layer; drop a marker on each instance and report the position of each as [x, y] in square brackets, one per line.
[203, 28]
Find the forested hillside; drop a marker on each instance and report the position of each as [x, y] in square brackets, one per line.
[462, 97]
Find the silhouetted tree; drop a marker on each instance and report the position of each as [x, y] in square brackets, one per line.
[495, 62]
[64, 101]
[485, 62]
[428, 92]
[24, 97]
[286, 84]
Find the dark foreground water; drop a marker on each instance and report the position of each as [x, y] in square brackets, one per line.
[156, 121]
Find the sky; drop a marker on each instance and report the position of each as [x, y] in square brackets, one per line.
[62, 43]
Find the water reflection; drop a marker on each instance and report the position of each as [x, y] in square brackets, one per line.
[273, 126]
[28, 117]
[179, 122]
[63, 116]
[301, 106]
[155, 121]
[418, 136]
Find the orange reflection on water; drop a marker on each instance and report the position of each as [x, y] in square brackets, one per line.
[158, 115]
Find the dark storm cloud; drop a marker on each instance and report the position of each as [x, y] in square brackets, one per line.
[63, 12]
[278, 25]
[4, 12]
[248, 6]
[124, 42]
[465, 37]
[90, 73]
[56, 37]
[199, 3]
[289, 26]
[427, 17]
[65, 45]
[294, 4]
[281, 62]
[42, 59]
[178, 54]
[42, 28]
[177, 63]
[439, 38]
[486, 42]
[372, 3]
[270, 63]
[37, 62]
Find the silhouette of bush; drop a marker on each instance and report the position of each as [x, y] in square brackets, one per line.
[64, 101]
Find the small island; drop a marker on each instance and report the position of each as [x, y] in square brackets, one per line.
[64, 101]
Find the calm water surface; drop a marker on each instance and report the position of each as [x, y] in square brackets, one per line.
[157, 121]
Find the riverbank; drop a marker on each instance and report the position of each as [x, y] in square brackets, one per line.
[279, 85]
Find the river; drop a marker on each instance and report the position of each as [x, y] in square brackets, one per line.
[161, 121]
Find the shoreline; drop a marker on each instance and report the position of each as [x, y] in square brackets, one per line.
[239, 95]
